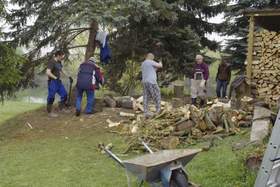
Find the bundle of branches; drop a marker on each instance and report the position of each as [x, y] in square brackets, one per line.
[178, 126]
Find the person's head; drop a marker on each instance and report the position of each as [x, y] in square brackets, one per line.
[225, 60]
[199, 59]
[59, 55]
[150, 56]
[92, 60]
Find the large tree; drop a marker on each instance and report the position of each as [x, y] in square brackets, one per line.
[236, 25]
[135, 25]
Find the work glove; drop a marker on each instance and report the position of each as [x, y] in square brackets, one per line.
[70, 79]
[202, 83]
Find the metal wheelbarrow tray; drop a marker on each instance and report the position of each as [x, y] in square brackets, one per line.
[165, 167]
[148, 167]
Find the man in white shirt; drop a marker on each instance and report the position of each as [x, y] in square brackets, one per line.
[150, 86]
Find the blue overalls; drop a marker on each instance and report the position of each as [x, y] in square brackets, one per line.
[56, 86]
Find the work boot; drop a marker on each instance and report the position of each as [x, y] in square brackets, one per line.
[49, 108]
[50, 113]
[62, 108]
[78, 113]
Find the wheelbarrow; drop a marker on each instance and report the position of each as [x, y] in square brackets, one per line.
[163, 168]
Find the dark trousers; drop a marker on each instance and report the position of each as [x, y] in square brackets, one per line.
[221, 89]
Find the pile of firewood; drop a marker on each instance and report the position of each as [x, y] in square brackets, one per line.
[177, 126]
[266, 65]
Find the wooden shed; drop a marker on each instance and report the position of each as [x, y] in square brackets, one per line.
[263, 57]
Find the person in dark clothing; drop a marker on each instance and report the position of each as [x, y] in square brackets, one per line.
[55, 85]
[88, 80]
[223, 79]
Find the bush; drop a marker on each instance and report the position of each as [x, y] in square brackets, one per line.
[10, 71]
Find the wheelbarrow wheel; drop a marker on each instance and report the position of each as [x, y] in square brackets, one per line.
[179, 179]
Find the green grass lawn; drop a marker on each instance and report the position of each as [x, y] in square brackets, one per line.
[72, 158]
[12, 108]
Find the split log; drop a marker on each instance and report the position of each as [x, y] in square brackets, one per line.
[112, 124]
[125, 114]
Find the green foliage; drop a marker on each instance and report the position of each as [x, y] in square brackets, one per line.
[166, 92]
[130, 84]
[237, 25]
[10, 70]
[135, 26]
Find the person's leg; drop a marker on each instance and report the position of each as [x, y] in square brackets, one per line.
[218, 88]
[90, 101]
[155, 93]
[202, 93]
[79, 97]
[145, 98]
[52, 88]
[224, 89]
[193, 92]
[63, 95]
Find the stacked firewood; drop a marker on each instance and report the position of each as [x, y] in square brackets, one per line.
[266, 65]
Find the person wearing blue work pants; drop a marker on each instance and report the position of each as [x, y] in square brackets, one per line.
[56, 86]
[221, 89]
[90, 100]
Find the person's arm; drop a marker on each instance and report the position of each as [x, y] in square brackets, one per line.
[206, 72]
[218, 72]
[157, 64]
[100, 75]
[50, 74]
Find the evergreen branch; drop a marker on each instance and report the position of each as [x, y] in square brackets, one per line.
[76, 46]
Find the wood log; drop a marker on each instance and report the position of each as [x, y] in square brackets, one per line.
[110, 102]
[126, 102]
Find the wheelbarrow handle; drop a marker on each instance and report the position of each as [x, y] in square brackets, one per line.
[146, 146]
[112, 155]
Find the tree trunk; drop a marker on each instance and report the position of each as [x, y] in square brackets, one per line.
[91, 45]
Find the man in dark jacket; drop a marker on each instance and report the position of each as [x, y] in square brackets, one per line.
[88, 80]
[223, 79]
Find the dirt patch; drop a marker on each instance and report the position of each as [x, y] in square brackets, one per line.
[37, 124]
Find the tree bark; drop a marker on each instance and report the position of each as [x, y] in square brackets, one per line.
[91, 45]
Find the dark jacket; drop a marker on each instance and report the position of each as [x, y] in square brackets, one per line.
[89, 76]
[224, 72]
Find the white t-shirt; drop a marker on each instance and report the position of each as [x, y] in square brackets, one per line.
[149, 71]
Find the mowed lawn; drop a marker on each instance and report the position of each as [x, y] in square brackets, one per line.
[63, 152]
